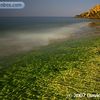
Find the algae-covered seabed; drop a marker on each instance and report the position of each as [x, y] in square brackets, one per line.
[55, 72]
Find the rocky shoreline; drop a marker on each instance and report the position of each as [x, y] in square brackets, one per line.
[93, 13]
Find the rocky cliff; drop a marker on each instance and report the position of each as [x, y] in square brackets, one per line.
[92, 13]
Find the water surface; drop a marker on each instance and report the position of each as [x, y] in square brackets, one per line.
[26, 33]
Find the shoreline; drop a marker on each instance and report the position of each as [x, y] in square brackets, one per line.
[76, 35]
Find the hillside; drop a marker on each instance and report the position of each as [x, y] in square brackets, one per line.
[92, 13]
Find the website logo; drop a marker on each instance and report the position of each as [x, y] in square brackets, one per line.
[12, 5]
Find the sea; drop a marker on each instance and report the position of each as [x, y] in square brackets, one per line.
[22, 34]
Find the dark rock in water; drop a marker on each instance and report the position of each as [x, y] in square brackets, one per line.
[92, 24]
[95, 24]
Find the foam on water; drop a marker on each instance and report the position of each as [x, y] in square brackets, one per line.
[19, 41]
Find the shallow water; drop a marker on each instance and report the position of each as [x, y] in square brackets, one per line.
[23, 34]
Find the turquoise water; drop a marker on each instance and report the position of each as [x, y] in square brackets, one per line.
[26, 33]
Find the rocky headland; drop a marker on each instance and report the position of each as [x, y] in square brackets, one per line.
[93, 13]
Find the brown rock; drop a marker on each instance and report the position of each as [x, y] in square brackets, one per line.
[92, 13]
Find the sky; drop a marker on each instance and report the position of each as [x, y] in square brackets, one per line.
[50, 8]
